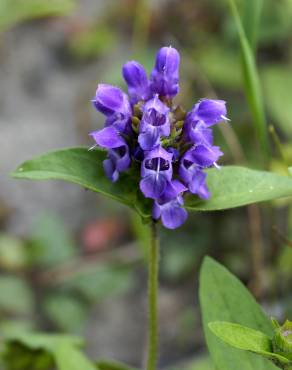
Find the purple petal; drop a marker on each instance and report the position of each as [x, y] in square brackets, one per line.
[198, 132]
[153, 185]
[173, 215]
[110, 100]
[165, 75]
[150, 138]
[204, 156]
[136, 78]
[108, 138]
[198, 185]
[210, 111]
[110, 170]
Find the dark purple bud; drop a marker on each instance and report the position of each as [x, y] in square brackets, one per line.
[154, 124]
[169, 206]
[111, 100]
[156, 172]
[137, 81]
[209, 111]
[165, 75]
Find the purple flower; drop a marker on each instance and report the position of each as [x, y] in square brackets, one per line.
[154, 124]
[169, 206]
[194, 178]
[115, 105]
[165, 75]
[209, 111]
[198, 132]
[118, 152]
[156, 172]
[137, 81]
[146, 128]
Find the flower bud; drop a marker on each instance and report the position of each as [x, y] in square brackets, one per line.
[136, 78]
[282, 340]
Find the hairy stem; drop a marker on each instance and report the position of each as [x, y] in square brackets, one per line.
[153, 263]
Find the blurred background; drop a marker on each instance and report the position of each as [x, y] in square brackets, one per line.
[72, 261]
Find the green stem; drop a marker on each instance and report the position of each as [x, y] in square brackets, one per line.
[153, 263]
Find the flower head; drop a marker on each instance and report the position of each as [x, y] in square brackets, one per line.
[172, 148]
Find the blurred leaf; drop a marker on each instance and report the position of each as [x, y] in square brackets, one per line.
[16, 295]
[233, 186]
[99, 282]
[68, 357]
[13, 326]
[112, 365]
[63, 348]
[251, 21]
[51, 242]
[12, 252]
[83, 167]
[67, 312]
[278, 84]
[15, 11]
[252, 82]
[93, 42]
[224, 298]
[225, 73]
[201, 363]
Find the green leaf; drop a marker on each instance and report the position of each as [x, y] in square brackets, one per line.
[251, 81]
[241, 337]
[247, 339]
[290, 170]
[84, 167]
[224, 298]
[112, 365]
[233, 186]
[63, 348]
[69, 358]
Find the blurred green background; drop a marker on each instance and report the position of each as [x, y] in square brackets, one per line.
[74, 262]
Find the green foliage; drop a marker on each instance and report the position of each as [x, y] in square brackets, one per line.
[237, 186]
[83, 167]
[251, 81]
[32, 351]
[12, 253]
[16, 296]
[230, 187]
[277, 83]
[252, 10]
[224, 298]
[52, 243]
[15, 11]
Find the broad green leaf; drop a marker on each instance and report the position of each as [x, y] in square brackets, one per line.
[224, 298]
[277, 81]
[230, 187]
[233, 186]
[15, 11]
[83, 167]
[246, 339]
[251, 82]
[241, 337]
